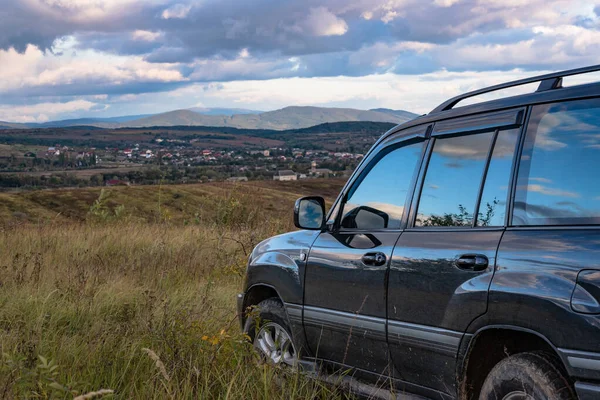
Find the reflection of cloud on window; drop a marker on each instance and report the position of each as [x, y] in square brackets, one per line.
[549, 191]
[453, 165]
[462, 148]
[539, 211]
[434, 187]
[592, 141]
[505, 144]
[565, 122]
[543, 180]
[394, 211]
[548, 124]
[572, 205]
[552, 188]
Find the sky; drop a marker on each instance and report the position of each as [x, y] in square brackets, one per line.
[100, 58]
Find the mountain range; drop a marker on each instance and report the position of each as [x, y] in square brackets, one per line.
[294, 117]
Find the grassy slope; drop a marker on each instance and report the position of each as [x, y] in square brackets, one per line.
[81, 299]
[178, 203]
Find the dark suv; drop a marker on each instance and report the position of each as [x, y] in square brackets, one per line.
[461, 259]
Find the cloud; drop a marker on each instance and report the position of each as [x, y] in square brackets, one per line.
[146, 36]
[35, 69]
[43, 112]
[322, 22]
[446, 3]
[178, 11]
[120, 47]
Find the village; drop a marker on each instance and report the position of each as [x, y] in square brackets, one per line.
[114, 166]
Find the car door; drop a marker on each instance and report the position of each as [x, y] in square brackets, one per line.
[345, 301]
[443, 263]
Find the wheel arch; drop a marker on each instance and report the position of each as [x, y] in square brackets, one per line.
[495, 342]
[257, 293]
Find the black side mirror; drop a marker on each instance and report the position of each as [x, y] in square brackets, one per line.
[309, 213]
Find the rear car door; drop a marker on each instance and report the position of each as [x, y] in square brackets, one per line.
[345, 300]
[443, 263]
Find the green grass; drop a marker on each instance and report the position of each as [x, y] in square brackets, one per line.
[136, 302]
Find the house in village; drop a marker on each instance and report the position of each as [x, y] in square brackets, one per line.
[320, 172]
[285, 175]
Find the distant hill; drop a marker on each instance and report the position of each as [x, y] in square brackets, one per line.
[294, 117]
[286, 118]
[12, 125]
[100, 122]
[397, 113]
[223, 111]
[377, 128]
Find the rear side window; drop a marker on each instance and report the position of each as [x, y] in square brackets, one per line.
[492, 208]
[377, 198]
[558, 180]
[452, 195]
[453, 179]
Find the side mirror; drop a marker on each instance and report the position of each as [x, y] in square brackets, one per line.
[309, 213]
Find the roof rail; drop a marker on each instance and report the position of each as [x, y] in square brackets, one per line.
[547, 82]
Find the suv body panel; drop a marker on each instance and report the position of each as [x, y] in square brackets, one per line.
[345, 302]
[439, 300]
[527, 287]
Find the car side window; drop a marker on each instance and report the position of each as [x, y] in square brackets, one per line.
[452, 181]
[377, 198]
[492, 207]
[558, 181]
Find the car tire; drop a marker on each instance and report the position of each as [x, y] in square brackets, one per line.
[269, 332]
[527, 376]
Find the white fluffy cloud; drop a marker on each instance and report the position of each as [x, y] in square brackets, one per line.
[558, 45]
[417, 93]
[177, 11]
[35, 68]
[145, 36]
[42, 112]
[322, 22]
[80, 10]
[268, 53]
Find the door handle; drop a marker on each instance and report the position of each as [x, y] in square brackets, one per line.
[375, 259]
[472, 262]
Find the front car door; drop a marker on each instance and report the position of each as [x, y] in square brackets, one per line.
[443, 263]
[345, 284]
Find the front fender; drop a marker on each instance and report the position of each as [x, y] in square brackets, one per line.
[277, 273]
[280, 262]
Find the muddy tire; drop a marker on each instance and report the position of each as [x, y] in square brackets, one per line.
[527, 376]
[271, 335]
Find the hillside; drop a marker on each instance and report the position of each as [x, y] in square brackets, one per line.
[177, 203]
[12, 125]
[135, 292]
[286, 118]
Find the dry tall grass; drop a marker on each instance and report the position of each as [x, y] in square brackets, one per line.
[143, 309]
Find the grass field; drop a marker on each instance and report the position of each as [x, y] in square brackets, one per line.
[133, 291]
